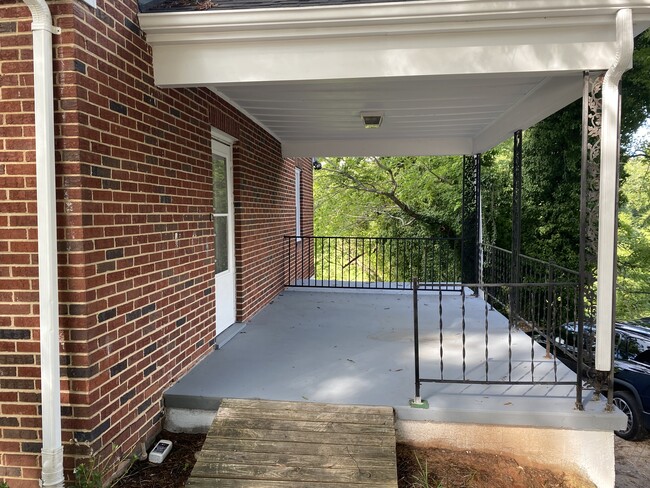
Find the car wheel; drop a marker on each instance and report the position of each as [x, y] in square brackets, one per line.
[626, 402]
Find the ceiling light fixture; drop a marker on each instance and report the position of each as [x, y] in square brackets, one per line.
[372, 120]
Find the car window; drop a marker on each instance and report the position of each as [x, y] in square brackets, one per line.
[632, 348]
[643, 357]
[620, 346]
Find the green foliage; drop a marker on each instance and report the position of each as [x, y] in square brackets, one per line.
[93, 472]
[422, 476]
[633, 293]
[405, 196]
[551, 167]
[551, 188]
[385, 197]
[88, 475]
[3, 484]
[496, 195]
[636, 89]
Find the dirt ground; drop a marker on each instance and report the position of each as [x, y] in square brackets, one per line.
[632, 463]
[444, 469]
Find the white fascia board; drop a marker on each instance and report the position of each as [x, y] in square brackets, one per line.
[547, 98]
[435, 37]
[377, 147]
[360, 18]
[210, 64]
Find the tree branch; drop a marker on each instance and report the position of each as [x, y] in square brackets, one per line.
[354, 183]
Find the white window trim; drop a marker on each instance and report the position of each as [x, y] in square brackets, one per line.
[298, 203]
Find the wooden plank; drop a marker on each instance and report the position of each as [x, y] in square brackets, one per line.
[306, 406]
[232, 483]
[358, 418]
[307, 437]
[269, 444]
[305, 426]
[342, 460]
[360, 475]
[297, 448]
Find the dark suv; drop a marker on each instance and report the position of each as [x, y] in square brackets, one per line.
[632, 378]
[631, 367]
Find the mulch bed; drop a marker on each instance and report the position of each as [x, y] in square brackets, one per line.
[173, 472]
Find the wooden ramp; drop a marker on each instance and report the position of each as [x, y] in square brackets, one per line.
[269, 444]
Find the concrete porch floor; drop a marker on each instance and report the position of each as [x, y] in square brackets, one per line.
[356, 347]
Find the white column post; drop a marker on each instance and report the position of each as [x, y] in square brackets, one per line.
[608, 198]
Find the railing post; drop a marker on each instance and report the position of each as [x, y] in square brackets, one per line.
[416, 341]
[417, 400]
[516, 224]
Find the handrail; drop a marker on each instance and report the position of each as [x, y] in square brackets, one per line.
[535, 260]
[371, 262]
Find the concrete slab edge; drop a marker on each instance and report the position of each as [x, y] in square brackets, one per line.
[593, 418]
[223, 338]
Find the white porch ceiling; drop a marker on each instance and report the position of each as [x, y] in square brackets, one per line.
[422, 116]
[451, 77]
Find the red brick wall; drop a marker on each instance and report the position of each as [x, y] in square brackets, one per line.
[136, 247]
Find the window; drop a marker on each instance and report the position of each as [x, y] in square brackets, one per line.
[298, 198]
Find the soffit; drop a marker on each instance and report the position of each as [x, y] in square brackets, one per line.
[450, 76]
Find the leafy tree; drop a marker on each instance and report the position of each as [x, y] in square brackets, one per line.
[633, 294]
[551, 165]
[496, 195]
[397, 196]
[551, 188]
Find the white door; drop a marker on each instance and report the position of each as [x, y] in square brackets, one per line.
[224, 235]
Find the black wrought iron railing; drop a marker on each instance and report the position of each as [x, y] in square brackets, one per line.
[519, 305]
[372, 262]
[470, 341]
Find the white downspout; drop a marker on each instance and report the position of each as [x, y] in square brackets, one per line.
[52, 451]
[608, 198]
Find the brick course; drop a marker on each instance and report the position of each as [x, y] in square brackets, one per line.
[135, 241]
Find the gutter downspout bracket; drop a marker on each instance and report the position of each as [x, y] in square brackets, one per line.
[52, 29]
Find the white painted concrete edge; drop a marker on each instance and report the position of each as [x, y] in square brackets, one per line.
[589, 454]
[188, 421]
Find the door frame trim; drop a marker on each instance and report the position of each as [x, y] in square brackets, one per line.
[222, 137]
[226, 152]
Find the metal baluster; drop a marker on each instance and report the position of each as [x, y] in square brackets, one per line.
[532, 334]
[336, 255]
[510, 347]
[302, 263]
[397, 242]
[462, 295]
[487, 338]
[442, 366]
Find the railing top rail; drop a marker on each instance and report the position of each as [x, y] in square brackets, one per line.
[377, 238]
[535, 260]
[513, 285]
